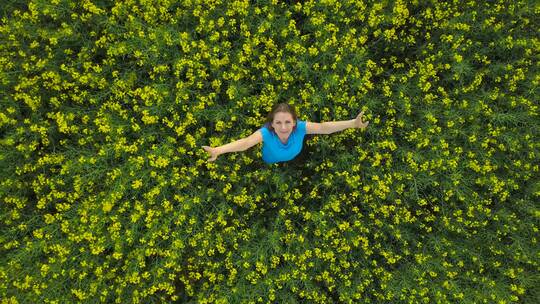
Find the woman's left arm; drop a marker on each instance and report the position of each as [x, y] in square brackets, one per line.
[336, 126]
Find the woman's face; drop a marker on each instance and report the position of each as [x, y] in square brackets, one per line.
[283, 124]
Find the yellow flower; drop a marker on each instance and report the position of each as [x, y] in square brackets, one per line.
[79, 294]
[107, 206]
[136, 184]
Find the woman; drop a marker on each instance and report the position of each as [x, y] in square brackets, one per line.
[282, 135]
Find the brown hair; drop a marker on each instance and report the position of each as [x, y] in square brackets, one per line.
[280, 107]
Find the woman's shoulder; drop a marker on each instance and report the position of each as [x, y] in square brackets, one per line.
[264, 130]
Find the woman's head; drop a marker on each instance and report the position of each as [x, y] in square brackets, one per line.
[282, 119]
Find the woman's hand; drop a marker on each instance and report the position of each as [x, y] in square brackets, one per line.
[358, 123]
[214, 153]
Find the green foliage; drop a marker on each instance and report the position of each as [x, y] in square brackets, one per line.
[108, 197]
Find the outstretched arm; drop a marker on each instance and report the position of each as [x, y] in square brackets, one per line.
[336, 126]
[330, 127]
[235, 146]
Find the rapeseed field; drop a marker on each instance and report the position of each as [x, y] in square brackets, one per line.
[107, 197]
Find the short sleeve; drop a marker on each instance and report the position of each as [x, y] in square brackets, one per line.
[302, 126]
[265, 133]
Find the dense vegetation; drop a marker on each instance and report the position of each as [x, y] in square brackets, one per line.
[107, 196]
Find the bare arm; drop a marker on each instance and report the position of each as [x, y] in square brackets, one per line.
[335, 126]
[236, 146]
[242, 144]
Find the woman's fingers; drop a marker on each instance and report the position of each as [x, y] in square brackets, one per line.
[359, 117]
[213, 155]
[359, 121]
[208, 149]
[365, 123]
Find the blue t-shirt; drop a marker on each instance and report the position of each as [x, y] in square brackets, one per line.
[273, 150]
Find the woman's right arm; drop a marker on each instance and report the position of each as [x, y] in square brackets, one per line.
[235, 146]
